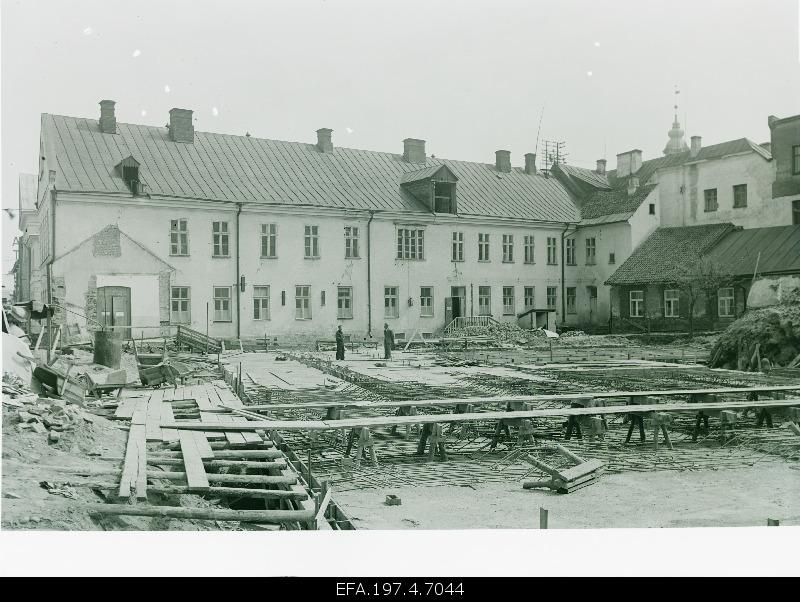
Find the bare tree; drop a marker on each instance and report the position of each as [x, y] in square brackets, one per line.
[698, 278]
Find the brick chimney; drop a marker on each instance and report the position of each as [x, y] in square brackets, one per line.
[530, 163]
[414, 150]
[633, 185]
[503, 161]
[108, 120]
[696, 145]
[601, 166]
[324, 141]
[180, 125]
[628, 163]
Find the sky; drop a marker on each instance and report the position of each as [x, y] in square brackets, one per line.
[469, 77]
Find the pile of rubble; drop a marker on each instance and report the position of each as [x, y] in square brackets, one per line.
[30, 412]
[502, 332]
[762, 338]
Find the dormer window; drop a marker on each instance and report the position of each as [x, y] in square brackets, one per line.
[434, 186]
[129, 171]
[443, 197]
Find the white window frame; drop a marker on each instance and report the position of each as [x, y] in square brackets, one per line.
[728, 302]
[426, 301]
[457, 251]
[179, 237]
[637, 303]
[483, 246]
[552, 250]
[411, 244]
[508, 248]
[672, 300]
[222, 304]
[484, 300]
[591, 250]
[176, 315]
[552, 295]
[351, 250]
[391, 302]
[572, 299]
[531, 297]
[269, 241]
[302, 302]
[509, 301]
[220, 238]
[344, 303]
[570, 247]
[311, 242]
[261, 302]
[530, 248]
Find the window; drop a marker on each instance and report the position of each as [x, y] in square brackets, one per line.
[671, 300]
[591, 248]
[222, 304]
[178, 237]
[302, 301]
[652, 208]
[351, 242]
[572, 297]
[612, 258]
[269, 241]
[552, 252]
[796, 213]
[261, 303]
[711, 199]
[426, 301]
[322, 298]
[529, 249]
[483, 247]
[443, 193]
[796, 160]
[179, 305]
[740, 196]
[410, 243]
[725, 302]
[312, 242]
[529, 297]
[458, 247]
[508, 301]
[636, 304]
[508, 248]
[570, 251]
[344, 302]
[391, 308]
[219, 235]
[484, 300]
[552, 297]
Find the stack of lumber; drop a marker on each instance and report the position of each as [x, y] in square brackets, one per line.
[583, 474]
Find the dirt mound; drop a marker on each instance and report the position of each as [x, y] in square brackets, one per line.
[771, 333]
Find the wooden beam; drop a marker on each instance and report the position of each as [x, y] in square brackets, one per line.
[252, 516]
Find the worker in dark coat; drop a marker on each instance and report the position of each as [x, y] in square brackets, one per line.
[388, 342]
[339, 343]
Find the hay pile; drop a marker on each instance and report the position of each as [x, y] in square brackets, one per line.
[770, 333]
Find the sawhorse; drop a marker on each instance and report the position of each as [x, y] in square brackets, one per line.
[365, 445]
[432, 435]
[465, 429]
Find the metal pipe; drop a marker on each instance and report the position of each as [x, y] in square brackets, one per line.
[369, 274]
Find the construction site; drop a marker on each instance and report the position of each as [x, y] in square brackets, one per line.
[472, 431]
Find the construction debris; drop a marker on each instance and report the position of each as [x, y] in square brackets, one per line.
[582, 474]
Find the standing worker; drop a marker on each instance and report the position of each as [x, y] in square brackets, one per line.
[388, 342]
[339, 343]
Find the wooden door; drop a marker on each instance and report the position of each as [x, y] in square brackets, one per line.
[114, 308]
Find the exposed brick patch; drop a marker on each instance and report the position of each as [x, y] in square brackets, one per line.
[91, 300]
[106, 242]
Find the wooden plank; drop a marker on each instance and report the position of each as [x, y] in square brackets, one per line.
[580, 470]
[141, 475]
[201, 398]
[196, 476]
[371, 422]
[139, 415]
[234, 438]
[125, 408]
[203, 448]
[130, 468]
[248, 437]
[167, 435]
[213, 396]
[153, 420]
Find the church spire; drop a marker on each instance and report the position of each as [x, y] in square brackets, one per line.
[676, 142]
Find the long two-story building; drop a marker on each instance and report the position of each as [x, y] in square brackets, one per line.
[145, 228]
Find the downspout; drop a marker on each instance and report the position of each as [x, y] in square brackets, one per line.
[563, 275]
[238, 277]
[369, 274]
[52, 234]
